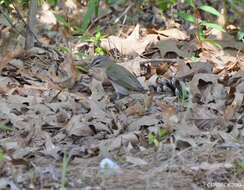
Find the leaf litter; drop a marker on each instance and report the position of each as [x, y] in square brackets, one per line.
[49, 116]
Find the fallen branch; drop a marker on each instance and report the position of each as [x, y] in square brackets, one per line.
[230, 146]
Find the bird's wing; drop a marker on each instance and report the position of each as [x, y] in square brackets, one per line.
[130, 82]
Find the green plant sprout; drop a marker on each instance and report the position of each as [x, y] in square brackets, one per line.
[164, 4]
[3, 127]
[155, 139]
[183, 95]
[93, 7]
[196, 20]
[66, 50]
[96, 39]
[81, 68]
[63, 177]
[242, 164]
[195, 59]
[1, 154]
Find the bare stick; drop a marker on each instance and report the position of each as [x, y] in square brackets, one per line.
[97, 19]
[29, 41]
[230, 146]
[125, 12]
[25, 24]
[159, 61]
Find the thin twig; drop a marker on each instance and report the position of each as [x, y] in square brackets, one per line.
[29, 42]
[125, 12]
[230, 146]
[19, 15]
[159, 60]
[97, 19]
[39, 44]
[25, 24]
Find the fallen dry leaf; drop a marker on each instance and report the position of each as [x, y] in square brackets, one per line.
[214, 166]
[172, 45]
[189, 69]
[136, 161]
[173, 33]
[78, 126]
[132, 45]
[49, 119]
[151, 120]
[207, 89]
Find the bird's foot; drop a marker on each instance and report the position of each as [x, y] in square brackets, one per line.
[117, 97]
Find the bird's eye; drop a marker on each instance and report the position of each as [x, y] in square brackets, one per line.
[95, 63]
[97, 60]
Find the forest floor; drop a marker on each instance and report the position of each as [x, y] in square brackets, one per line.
[186, 133]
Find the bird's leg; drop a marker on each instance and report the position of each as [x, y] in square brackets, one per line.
[117, 96]
[114, 98]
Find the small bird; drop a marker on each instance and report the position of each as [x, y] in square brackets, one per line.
[122, 80]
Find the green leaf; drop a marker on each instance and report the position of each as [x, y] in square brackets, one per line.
[52, 2]
[99, 51]
[164, 6]
[61, 19]
[77, 28]
[40, 2]
[6, 2]
[96, 7]
[162, 132]
[63, 49]
[195, 59]
[242, 164]
[104, 36]
[112, 1]
[201, 34]
[80, 68]
[183, 93]
[188, 17]
[82, 55]
[190, 3]
[98, 34]
[156, 143]
[1, 154]
[139, 2]
[210, 10]
[213, 42]
[212, 25]
[86, 38]
[3, 127]
[240, 35]
[24, 2]
[151, 138]
[88, 16]
[63, 175]
[6, 14]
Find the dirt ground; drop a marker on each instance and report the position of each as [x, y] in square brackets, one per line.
[186, 132]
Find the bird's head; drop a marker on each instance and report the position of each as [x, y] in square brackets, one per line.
[100, 62]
